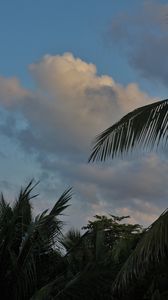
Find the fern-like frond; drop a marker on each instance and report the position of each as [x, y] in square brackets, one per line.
[144, 128]
[61, 203]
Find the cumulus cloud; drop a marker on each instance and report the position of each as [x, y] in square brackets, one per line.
[144, 38]
[11, 91]
[71, 104]
[57, 122]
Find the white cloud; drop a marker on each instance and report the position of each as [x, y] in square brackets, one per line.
[79, 103]
[69, 106]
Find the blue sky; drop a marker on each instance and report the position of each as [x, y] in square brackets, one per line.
[68, 70]
[31, 29]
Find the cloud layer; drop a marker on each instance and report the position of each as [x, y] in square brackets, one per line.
[144, 38]
[56, 122]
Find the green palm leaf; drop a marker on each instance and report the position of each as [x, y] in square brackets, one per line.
[149, 252]
[143, 128]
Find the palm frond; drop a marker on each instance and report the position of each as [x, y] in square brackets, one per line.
[151, 250]
[43, 293]
[22, 206]
[91, 283]
[38, 240]
[22, 214]
[144, 127]
[71, 239]
[5, 213]
[26, 241]
[61, 203]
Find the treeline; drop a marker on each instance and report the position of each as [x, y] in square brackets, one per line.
[110, 259]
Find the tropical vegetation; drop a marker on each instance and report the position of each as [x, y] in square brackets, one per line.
[108, 259]
[144, 274]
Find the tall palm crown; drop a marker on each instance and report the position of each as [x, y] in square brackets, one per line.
[27, 244]
[143, 128]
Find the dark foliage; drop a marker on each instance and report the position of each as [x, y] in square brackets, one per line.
[111, 260]
[143, 128]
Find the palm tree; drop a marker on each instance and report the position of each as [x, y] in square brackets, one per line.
[28, 245]
[96, 257]
[88, 267]
[147, 262]
[33, 265]
[143, 128]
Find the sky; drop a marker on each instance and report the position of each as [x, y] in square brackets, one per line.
[69, 70]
